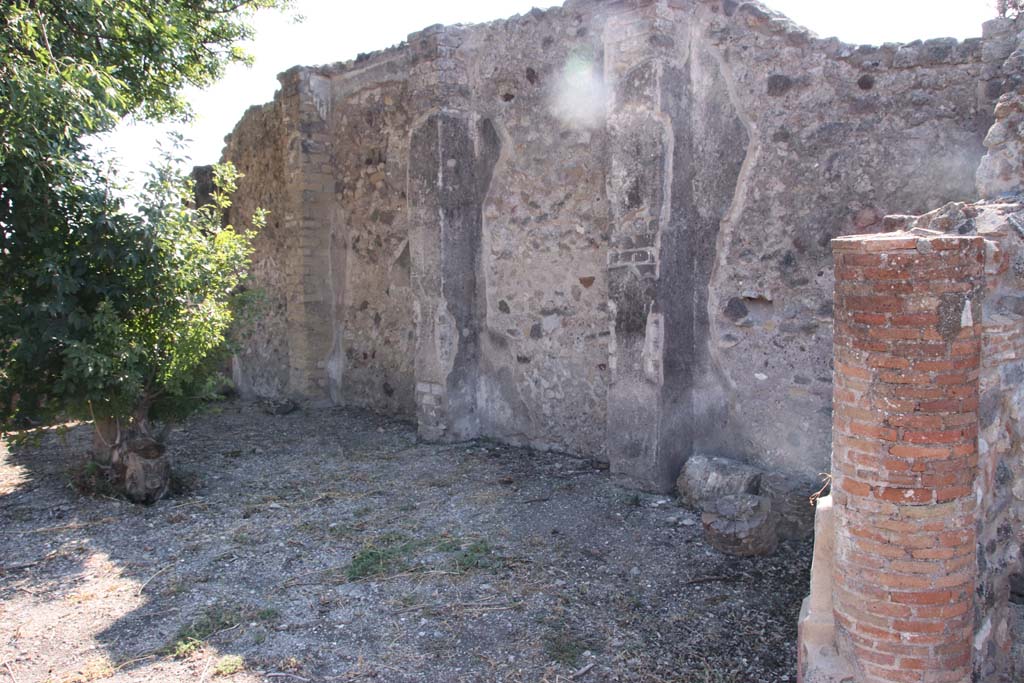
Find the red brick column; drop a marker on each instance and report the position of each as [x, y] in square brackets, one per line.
[905, 453]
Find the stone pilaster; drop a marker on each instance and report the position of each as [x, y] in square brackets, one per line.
[309, 199]
[640, 43]
[451, 157]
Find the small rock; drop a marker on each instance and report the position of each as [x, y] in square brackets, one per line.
[279, 407]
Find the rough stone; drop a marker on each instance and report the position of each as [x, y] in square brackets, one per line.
[741, 524]
[1001, 172]
[705, 479]
[590, 229]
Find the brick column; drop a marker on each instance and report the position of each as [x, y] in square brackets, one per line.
[905, 453]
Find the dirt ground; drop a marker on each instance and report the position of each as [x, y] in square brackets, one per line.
[330, 546]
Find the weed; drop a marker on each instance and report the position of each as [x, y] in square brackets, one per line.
[382, 556]
[477, 555]
[564, 647]
[228, 665]
[192, 637]
[268, 614]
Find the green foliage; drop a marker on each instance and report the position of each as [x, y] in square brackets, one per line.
[123, 311]
[229, 665]
[136, 309]
[384, 556]
[477, 555]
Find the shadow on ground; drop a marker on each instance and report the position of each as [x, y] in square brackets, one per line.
[330, 546]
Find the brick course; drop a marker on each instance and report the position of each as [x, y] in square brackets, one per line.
[905, 459]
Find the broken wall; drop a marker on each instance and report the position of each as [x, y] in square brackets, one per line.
[601, 228]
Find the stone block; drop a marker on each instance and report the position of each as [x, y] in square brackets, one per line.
[741, 524]
[706, 478]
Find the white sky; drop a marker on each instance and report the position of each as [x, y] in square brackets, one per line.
[338, 30]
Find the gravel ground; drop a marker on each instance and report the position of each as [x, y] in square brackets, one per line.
[330, 546]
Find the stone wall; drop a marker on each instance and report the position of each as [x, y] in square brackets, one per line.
[601, 228]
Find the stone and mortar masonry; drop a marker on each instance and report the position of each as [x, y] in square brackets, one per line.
[605, 229]
[617, 245]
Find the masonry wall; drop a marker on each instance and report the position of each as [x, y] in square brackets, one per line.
[257, 148]
[644, 272]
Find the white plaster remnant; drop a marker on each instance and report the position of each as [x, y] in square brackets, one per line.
[654, 348]
[967, 316]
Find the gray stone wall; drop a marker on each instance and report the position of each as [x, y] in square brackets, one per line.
[257, 149]
[601, 228]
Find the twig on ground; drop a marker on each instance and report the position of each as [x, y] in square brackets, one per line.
[580, 673]
[10, 671]
[27, 565]
[143, 586]
[284, 675]
[134, 660]
[73, 526]
[469, 606]
[222, 631]
[711, 579]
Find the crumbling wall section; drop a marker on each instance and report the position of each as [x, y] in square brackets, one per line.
[842, 136]
[371, 359]
[762, 143]
[257, 148]
[544, 343]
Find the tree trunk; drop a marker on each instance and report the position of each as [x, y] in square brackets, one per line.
[136, 462]
[104, 437]
[146, 467]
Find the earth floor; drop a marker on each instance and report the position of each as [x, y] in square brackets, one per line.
[328, 545]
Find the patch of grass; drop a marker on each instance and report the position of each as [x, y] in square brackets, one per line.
[94, 670]
[477, 555]
[228, 665]
[241, 537]
[709, 675]
[382, 556]
[448, 544]
[192, 637]
[268, 614]
[364, 511]
[563, 646]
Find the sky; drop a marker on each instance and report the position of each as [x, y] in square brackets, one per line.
[338, 30]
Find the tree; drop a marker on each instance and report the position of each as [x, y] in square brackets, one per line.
[103, 311]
